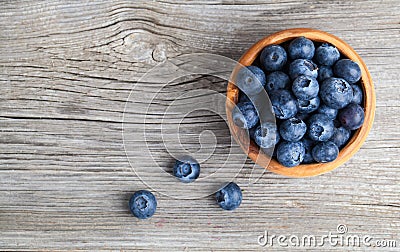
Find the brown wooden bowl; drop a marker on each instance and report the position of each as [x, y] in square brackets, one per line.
[358, 138]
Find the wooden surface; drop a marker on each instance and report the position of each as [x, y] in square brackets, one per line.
[66, 71]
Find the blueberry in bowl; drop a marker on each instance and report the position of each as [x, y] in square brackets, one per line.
[319, 80]
[245, 115]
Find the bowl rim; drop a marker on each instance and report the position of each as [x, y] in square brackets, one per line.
[354, 144]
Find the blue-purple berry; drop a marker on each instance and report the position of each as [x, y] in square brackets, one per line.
[325, 152]
[341, 136]
[229, 197]
[308, 106]
[320, 127]
[357, 94]
[245, 115]
[186, 169]
[336, 92]
[266, 135]
[303, 67]
[251, 80]
[326, 54]
[301, 48]
[283, 103]
[292, 129]
[273, 57]
[308, 146]
[324, 72]
[143, 204]
[328, 111]
[277, 80]
[305, 87]
[352, 116]
[290, 154]
[348, 70]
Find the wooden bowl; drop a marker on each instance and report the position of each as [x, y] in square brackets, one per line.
[358, 138]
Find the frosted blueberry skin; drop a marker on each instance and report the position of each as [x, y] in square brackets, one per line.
[273, 57]
[143, 204]
[357, 94]
[186, 169]
[341, 136]
[308, 146]
[303, 67]
[301, 48]
[336, 92]
[320, 127]
[308, 106]
[283, 103]
[250, 80]
[325, 152]
[352, 116]
[290, 154]
[267, 137]
[277, 80]
[326, 54]
[292, 129]
[328, 111]
[245, 115]
[229, 197]
[348, 70]
[324, 72]
[305, 87]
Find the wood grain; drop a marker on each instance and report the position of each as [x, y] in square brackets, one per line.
[66, 71]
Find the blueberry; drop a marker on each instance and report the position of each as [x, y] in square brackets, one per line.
[336, 92]
[229, 197]
[357, 94]
[186, 169]
[277, 80]
[324, 72]
[301, 48]
[326, 54]
[308, 146]
[303, 67]
[305, 87]
[328, 111]
[292, 129]
[283, 103]
[250, 80]
[245, 115]
[143, 204]
[266, 135]
[348, 70]
[352, 116]
[290, 154]
[340, 136]
[320, 127]
[273, 57]
[308, 106]
[325, 152]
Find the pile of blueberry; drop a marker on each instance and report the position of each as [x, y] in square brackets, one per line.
[315, 95]
[143, 203]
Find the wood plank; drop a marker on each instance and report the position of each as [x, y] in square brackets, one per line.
[66, 71]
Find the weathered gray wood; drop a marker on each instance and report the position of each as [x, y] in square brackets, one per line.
[66, 71]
